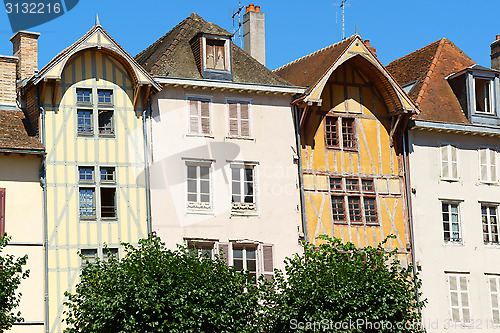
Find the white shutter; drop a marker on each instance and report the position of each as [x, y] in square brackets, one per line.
[483, 164]
[193, 117]
[224, 251]
[445, 172]
[245, 119]
[494, 293]
[454, 162]
[233, 119]
[493, 165]
[205, 117]
[267, 261]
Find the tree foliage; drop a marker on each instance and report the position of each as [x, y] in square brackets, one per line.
[11, 275]
[154, 289]
[340, 287]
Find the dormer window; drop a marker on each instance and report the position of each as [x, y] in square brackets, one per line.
[215, 54]
[484, 95]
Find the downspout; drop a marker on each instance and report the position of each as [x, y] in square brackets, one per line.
[301, 176]
[43, 181]
[406, 150]
[145, 116]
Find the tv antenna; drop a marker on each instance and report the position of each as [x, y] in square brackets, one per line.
[342, 5]
[237, 16]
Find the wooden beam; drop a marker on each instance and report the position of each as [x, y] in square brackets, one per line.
[42, 93]
[146, 96]
[54, 95]
[136, 95]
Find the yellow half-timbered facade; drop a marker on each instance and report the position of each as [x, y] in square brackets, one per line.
[351, 122]
[88, 105]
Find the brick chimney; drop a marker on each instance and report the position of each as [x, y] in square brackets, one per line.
[495, 53]
[254, 33]
[369, 47]
[8, 80]
[25, 47]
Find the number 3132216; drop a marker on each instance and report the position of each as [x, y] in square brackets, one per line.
[32, 8]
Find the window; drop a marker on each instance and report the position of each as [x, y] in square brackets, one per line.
[85, 122]
[490, 224]
[89, 257]
[451, 222]
[494, 282]
[199, 116]
[215, 54]
[107, 253]
[449, 162]
[487, 165]
[340, 132]
[84, 96]
[198, 186]
[484, 93]
[201, 249]
[331, 132]
[361, 201]
[2, 211]
[106, 122]
[239, 118]
[459, 298]
[105, 97]
[245, 259]
[106, 189]
[242, 187]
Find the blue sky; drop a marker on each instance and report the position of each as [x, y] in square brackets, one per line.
[293, 28]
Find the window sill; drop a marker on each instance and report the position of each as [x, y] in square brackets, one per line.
[109, 219]
[236, 213]
[487, 114]
[207, 136]
[107, 136]
[247, 138]
[493, 183]
[200, 212]
[340, 222]
[88, 219]
[492, 245]
[450, 180]
[85, 134]
[453, 243]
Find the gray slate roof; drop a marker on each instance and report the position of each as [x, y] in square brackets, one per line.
[172, 55]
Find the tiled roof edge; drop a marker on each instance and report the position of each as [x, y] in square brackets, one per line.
[427, 78]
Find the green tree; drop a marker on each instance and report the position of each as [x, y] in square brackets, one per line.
[154, 289]
[11, 275]
[343, 288]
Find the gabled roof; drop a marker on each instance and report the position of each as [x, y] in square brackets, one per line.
[308, 70]
[314, 71]
[14, 133]
[172, 55]
[429, 67]
[96, 38]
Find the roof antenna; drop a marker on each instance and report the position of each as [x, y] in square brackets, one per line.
[343, 5]
[237, 32]
[97, 19]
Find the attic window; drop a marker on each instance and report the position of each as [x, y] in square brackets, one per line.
[484, 93]
[215, 54]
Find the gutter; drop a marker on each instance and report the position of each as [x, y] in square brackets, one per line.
[43, 181]
[440, 126]
[301, 175]
[145, 115]
[22, 151]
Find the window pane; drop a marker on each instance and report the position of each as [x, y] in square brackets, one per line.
[191, 185]
[354, 209]
[106, 122]
[238, 253]
[83, 95]
[336, 184]
[205, 187]
[367, 185]
[191, 172]
[105, 96]
[352, 184]
[370, 210]
[331, 132]
[348, 133]
[238, 264]
[338, 208]
[86, 174]
[248, 174]
[87, 208]
[204, 172]
[85, 121]
[108, 202]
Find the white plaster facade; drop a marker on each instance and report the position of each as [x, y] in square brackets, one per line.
[437, 260]
[270, 149]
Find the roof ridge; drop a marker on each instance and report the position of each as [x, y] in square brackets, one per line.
[458, 49]
[420, 49]
[313, 53]
[429, 73]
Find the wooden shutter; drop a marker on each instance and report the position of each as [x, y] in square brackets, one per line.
[493, 165]
[454, 162]
[193, 117]
[464, 299]
[445, 171]
[455, 307]
[224, 251]
[233, 119]
[2, 211]
[205, 117]
[494, 293]
[245, 119]
[267, 261]
[483, 164]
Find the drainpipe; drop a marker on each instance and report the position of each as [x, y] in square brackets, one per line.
[406, 150]
[43, 181]
[301, 176]
[145, 115]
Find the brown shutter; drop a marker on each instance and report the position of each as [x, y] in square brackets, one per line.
[224, 251]
[245, 119]
[268, 263]
[233, 119]
[2, 211]
[193, 117]
[205, 117]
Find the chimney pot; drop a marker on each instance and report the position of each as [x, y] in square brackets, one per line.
[367, 42]
[369, 47]
[250, 8]
[257, 9]
[495, 53]
[498, 37]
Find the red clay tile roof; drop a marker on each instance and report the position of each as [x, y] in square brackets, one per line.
[14, 133]
[172, 55]
[429, 66]
[308, 70]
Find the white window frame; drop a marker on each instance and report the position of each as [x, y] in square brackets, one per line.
[494, 295]
[200, 245]
[488, 206]
[227, 53]
[491, 178]
[449, 147]
[459, 212]
[243, 209]
[208, 99]
[250, 122]
[198, 206]
[491, 92]
[96, 184]
[459, 291]
[99, 254]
